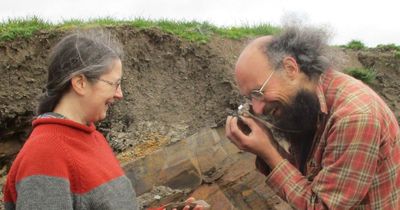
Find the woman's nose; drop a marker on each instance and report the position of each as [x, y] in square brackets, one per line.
[118, 94]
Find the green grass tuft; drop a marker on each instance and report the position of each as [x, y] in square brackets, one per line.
[397, 54]
[248, 31]
[23, 28]
[363, 74]
[355, 45]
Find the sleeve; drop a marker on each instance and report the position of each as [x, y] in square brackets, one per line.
[42, 178]
[43, 192]
[349, 162]
[263, 167]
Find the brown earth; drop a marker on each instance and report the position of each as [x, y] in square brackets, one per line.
[172, 88]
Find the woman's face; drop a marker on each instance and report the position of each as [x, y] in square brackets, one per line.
[103, 92]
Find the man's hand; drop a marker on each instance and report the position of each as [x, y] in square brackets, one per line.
[258, 141]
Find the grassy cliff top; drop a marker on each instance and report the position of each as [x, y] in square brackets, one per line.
[190, 30]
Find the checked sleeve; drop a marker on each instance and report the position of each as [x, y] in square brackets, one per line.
[349, 163]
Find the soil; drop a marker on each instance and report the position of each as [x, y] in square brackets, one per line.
[172, 88]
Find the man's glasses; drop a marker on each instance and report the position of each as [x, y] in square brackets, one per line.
[259, 94]
[116, 84]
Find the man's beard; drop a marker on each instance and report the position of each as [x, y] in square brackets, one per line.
[300, 115]
[297, 122]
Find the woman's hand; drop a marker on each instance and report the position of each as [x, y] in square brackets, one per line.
[188, 202]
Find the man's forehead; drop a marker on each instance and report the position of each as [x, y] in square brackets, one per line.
[260, 41]
[250, 76]
[255, 49]
[252, 63]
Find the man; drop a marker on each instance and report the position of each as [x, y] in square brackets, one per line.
[344, 140]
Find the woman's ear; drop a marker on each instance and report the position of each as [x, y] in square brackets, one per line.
[79, 84]
[291, 67]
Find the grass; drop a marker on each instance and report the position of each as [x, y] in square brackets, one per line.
[397, 54]
[355, 45]
[363, 74]
[23, 28]
[190, 30]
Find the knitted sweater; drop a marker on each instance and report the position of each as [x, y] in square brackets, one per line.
[67, 165]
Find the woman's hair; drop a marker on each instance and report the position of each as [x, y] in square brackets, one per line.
[90, 53]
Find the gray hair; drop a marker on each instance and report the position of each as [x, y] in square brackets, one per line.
[90, 53]
[307, 45]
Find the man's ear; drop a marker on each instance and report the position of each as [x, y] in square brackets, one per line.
[291, 67]
[79, 84]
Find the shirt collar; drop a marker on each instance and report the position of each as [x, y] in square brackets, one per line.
[320, 90]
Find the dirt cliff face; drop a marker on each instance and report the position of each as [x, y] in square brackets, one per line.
[387, 83]
[172, 87]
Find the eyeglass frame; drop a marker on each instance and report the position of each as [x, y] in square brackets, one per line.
[116, 84]
[259, 94]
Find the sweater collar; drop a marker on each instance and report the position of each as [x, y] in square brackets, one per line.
[65, 122]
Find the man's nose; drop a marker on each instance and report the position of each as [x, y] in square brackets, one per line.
[257, 106]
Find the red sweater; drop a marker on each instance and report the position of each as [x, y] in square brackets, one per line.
[67, 165]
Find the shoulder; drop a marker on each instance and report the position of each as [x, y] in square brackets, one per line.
[346, 96]
[42, 154]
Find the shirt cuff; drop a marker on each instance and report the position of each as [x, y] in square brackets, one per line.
[280, 175]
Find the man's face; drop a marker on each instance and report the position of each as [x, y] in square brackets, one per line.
[300, 115]
[285, 95]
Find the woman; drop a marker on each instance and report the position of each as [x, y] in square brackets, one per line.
[66, 163]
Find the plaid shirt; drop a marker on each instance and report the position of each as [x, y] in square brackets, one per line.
[355, 158]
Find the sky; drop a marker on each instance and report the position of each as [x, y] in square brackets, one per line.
[372, 22]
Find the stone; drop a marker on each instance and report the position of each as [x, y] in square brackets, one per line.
[214, 196]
